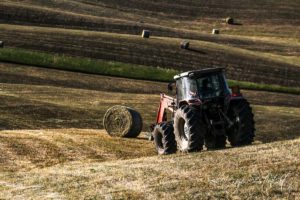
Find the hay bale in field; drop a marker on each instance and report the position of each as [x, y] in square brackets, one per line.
[1, 44]
[146, 34]
[122, 121]
[229, 20]
[215, 31]
[184, 44]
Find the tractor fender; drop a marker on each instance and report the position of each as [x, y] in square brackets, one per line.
[190, 102]
[230, 100]
[182, 103]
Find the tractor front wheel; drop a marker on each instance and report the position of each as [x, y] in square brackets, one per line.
[189, 129]
[164, 138]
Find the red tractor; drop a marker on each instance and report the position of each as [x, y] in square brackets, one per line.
[204, 112]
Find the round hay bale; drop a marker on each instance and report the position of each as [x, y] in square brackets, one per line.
[146, 34]
[229, 20]
[122, 121]
[1, 44]
[184, 44]
[215, 31]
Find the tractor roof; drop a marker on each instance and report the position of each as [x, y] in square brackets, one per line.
[196, 73]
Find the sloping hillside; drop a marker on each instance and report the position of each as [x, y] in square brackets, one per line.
[241, 64]
[261, 46]
[266, 171]
[52, 142]
[52, 117]
[130, 16]
[37, 98]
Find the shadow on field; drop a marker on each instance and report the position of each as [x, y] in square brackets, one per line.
[236, 24]
[17, 113]
[79, 81]
[196, 51]
[276, 126]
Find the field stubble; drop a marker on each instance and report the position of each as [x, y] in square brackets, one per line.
[163, 52]
[51, 141]
[44, 108]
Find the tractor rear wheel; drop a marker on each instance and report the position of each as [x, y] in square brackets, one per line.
[189, 129]
[164, 138]
[242, 131]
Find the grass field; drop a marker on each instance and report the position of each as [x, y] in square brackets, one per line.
[53, 146]
[47, 98]
[268, 171]
[164, 17]
[163, 52]
[117, 69]
[52, 141]
[264, 48]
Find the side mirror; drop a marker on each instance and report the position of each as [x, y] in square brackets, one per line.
[235, 90]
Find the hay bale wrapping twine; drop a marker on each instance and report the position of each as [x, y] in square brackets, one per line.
[122, 121]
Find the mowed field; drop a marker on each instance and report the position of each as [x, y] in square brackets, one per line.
[261, 47]
[53, 145]
[52, 141]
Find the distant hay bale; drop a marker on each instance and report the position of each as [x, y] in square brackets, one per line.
[146, 34]
[1, 44]
[215, 31]
[122, 121]
[229, 20]
[184, 44]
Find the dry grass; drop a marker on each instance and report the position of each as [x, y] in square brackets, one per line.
[35, 98]
[269, 171]
[68, 156]
[133, 15]
[269, 67]
[24, 150]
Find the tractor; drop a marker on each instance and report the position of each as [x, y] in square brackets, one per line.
[205, 112]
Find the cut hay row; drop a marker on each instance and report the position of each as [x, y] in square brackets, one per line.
[47, 104]
[163, 10]
[160, 52]
[264, 171]
[114, 68]
[43, 14]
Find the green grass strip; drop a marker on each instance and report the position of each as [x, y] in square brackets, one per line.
[265, 87]
[87, 65]
[112, 68]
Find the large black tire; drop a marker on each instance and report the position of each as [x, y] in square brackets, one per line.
[189, 129]
[164, 138]
[243, 130]
[215, 142]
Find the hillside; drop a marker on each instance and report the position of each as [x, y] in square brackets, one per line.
[163, 16]
[265, 171]
[56, 83]
[160, 51]
[37, 98]
[261, 47]
[52, 144]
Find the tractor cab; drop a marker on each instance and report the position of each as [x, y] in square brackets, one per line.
[203, 84]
